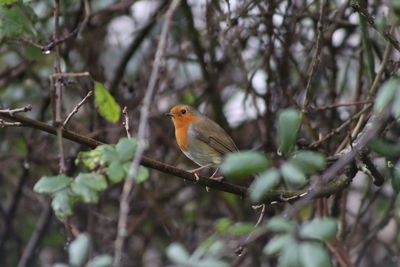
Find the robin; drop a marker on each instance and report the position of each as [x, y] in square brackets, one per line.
[200, 139]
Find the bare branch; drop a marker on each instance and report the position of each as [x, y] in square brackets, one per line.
[76, 109]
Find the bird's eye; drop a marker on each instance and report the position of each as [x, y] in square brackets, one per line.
[183, 111]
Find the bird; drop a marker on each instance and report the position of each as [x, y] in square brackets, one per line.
[201, 139]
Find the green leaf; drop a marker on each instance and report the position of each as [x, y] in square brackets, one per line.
[384, 148]
[79, 249]
[94, 181]
[143, 175]
[14, 22]
[116, 172]
[313, 254]
[90, 159]
[105, 103]
[177, 254]
[264, 183]
[62, 204]
[126, 148]
[210, 263]
[396, 105]
[386, 95]
[244, 164]
[85, 193]
[7, 2]
[309, 162]
[396, 7]
[223, 225]
[279, 224]
[290, 256]
[293, 175]
[277, 244]
[101, 261]
[288, 125]
[242, 228]
[109, 154]
[323, 229]
[396, 178]
[52, 184]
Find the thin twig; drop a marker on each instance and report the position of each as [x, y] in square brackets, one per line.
[70, 74]
[37, 236]
[16, 110]
[4, 123]
[387, 35]
[126, 122]
[340, 105]
[144, 114]
[57, 97]
[76, 109]
[317, 55]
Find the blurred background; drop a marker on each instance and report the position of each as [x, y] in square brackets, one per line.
[239, 62]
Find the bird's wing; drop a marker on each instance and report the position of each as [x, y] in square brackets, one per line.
[212, 134]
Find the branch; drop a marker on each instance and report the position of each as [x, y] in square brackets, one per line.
[37, 235]
[241, 191]
[16, 110]
[386, 35]
[141, 137]
[76, 109]
[133, 47]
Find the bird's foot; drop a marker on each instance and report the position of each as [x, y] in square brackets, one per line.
[199, 169]
[216, 178]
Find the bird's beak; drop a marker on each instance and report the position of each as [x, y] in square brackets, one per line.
[170, 114]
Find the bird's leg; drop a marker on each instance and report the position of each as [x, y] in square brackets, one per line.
[217, 178]
[194, 171]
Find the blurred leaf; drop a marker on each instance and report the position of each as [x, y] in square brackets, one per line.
[61, 203]
[100, 261]
[241, 228]
[290, 256]
[384, 148]
[279, 224]
[313, 254]
[288, 125]
[105, 103]
[52, 184]
[14, 22]
[323, 229]
[309, 162]
[94, 181]
[210, 263]
[84, 192]
[396, 7]
[143, 175]
[90, 159]
[177, 254]
[264, 183]
[126, 148]
[276, 244]
[116, 172]
[293, 175]
[386, 94]
[7, 2]
[78, 250]
[60, 265]
[223, 225]
[109, 154]
[396, 105]
[244, 164]
[396, 178]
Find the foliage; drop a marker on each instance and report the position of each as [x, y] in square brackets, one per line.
[296, 87]
[105, 162]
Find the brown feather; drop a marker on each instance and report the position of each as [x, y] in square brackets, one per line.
[212, 134]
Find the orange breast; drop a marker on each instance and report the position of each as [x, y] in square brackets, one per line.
[181, 130]
[181, 135]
